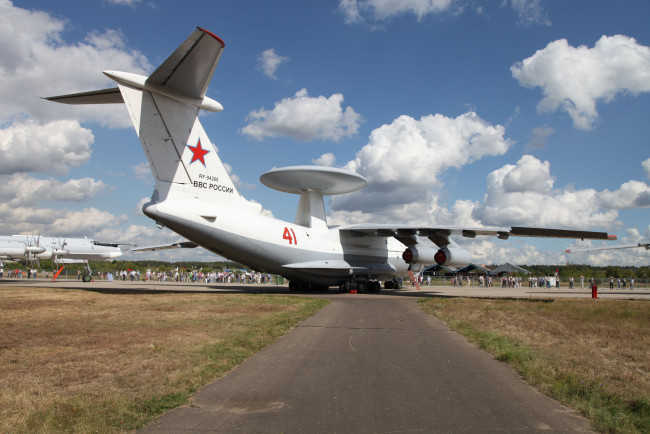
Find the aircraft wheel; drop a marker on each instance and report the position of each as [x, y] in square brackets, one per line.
[361, 286]
[374, 286]
[389, 284]
[293, 286]
[86, 278]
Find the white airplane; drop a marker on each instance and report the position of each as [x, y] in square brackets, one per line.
[59, 250]
[195, 197]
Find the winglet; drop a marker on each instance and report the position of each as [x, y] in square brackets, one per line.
[567, 251]
[612, 237]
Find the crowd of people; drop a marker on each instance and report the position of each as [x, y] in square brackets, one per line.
[226, 276]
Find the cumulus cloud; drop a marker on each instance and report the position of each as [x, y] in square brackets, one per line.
[632, 194]
[37, 62]
[269, 61]
[55, 222]
[403, 161]
[523, 194]
[325, 160]
[23, 190]
[54, 147]
[646, 167]
[304, 118]
[575, 79]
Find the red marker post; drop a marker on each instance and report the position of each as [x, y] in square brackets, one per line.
[594, 291]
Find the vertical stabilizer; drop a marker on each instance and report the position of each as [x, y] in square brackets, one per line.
[181, 156]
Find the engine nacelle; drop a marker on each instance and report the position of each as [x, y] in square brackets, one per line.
[453, 256]
[419, 255]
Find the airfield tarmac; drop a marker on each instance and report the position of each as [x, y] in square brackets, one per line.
[365, 363]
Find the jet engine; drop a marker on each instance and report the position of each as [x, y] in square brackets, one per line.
[419, 255]
[453, 256]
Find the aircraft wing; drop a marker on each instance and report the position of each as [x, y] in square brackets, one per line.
[178, 245]
[440, 235]
[595, 249]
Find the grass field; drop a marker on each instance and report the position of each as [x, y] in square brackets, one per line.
[82, 361]
[592, 355]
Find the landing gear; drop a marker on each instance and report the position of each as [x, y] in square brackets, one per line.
[360, 286]
[393, 284]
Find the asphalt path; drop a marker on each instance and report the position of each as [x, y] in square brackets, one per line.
[370, 363]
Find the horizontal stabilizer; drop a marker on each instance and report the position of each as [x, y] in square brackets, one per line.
[189, 69]
[104, 96]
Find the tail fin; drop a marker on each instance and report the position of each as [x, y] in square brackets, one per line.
[164, 109]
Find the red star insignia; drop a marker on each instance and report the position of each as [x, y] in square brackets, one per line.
[198, 153]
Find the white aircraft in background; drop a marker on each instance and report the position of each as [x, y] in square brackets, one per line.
[59, 250]
[596, 249]
[195, 197]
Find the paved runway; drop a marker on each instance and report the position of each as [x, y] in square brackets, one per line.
[370, 364]
[365, 363]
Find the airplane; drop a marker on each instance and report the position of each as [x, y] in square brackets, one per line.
[195, 197]
[596, 249]
[58, 250]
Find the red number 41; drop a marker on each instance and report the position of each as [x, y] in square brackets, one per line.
[287, 235]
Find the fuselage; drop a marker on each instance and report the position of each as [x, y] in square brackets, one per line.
[276, 246]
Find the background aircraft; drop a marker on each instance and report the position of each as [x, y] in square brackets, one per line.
[195, 196]
[595, 249]
[62, 250]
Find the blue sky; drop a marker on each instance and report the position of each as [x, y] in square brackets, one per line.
[458, 112]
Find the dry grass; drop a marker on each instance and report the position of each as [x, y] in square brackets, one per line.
[603, 344]
[68, 358]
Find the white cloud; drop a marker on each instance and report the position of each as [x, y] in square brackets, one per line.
[354, 10]
[54, 147]
[304, 118]
[576, 79]
[403, 161]
[646, 167]
[269, 61]
[530, 12]
[142, 171]
[21, 190]
[632, 194]
[325, 160]
[540, 136]
[129, 3]
[55, 222]
[37, 62]
[523, 194]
